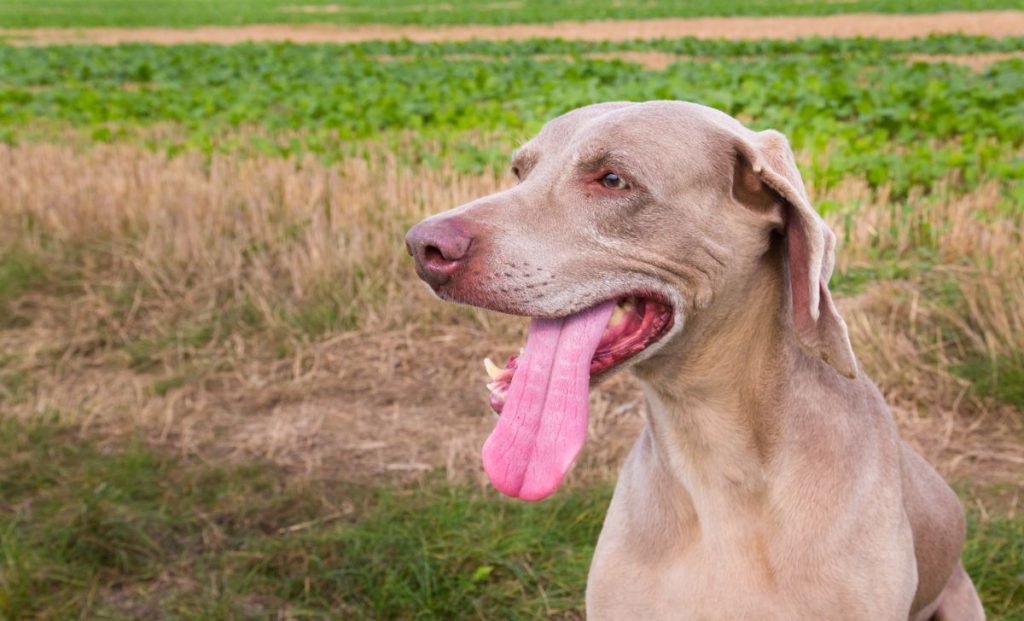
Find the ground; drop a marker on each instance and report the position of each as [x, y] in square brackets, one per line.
[985, 23]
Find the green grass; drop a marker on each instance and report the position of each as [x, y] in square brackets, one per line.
[16, 384]
[994, 557]
[185, 13]
[20, 272]
[1001, 378]
[125, 532]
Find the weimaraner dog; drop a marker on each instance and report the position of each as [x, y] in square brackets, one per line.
[769, 481]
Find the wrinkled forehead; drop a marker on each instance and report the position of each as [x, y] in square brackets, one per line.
[563, 128]
[646, 134]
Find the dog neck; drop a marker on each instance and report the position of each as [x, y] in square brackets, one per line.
[712, 412]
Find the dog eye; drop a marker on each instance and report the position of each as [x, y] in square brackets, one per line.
[515, 171]
[614, 182]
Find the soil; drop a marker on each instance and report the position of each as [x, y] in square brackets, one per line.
[989, 23]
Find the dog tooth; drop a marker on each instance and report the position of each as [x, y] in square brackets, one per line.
[492, 369]
[618, 314]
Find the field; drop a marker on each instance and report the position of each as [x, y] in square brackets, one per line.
[225, 395]
[191, 13]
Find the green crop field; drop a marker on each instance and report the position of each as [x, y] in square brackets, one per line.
[186, 13]
[892, 122]
[225, 395]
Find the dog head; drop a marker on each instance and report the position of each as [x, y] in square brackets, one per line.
[666, 205]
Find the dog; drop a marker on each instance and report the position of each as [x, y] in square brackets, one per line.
[769, 481]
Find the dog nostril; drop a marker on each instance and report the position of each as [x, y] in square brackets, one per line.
[433, 254]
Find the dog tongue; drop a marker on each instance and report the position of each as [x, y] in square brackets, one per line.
[544, 421]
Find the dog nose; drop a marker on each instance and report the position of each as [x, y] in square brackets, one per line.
[438, 248]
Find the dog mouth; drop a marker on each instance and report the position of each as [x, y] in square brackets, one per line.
[542, 394]
[636, 323]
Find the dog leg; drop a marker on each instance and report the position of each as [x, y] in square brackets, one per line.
[959, 600]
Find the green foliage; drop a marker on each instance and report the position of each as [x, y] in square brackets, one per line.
[892, 123]
[77, 521]
[1002, 377]
[20, 272]
[693, 46]
[857, 278]
[87, 532]
[994, 558]
[16, 384]
[183, 13]
[442, 554]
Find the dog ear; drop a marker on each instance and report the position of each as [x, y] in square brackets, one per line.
[766, 172]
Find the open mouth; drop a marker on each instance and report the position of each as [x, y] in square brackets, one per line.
[542, 394]
[636, 323]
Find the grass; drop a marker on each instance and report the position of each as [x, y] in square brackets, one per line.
[19, 274]
[80, 524]
[188, 13]
[994, 557]
[90, 531]
[267, 245]
[444, 553]
[1002, 377]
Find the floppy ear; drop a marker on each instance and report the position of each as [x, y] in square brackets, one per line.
[766, 172]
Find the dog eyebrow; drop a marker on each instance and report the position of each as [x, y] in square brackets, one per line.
[523, 159]
[588, 163]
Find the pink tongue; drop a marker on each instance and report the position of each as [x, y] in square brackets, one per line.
[544, 421]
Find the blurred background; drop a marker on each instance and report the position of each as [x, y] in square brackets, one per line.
[225, 395]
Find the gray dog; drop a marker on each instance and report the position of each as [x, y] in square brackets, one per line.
[769, 481]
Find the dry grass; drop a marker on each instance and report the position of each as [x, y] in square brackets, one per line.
[195, 234]
[240, 307]
[912, 333]
[986, 23]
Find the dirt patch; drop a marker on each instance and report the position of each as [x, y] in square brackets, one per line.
[329, 9]
[988, 23]
[659, 61]
[439, 7]
[655, 61]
